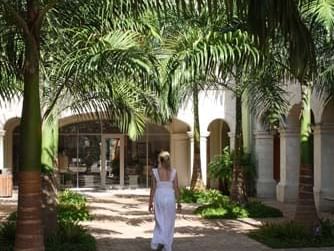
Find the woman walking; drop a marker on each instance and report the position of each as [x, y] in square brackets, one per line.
[163, 196]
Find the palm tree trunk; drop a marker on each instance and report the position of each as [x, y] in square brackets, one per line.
[29, 233]
[196, 179]
[306, 212]
[238, 192]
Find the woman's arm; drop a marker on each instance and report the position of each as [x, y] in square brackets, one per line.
[177, 192]
[152, 192]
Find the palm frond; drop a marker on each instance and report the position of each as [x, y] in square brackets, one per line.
[267, 94]
[321, 12]
[11, 58]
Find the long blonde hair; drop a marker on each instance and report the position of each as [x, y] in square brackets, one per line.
[164, 159]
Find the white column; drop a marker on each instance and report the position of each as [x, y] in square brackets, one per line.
[180, 157]
[122, 166]
[264, 150]
[287, 188]
[232, 140]
[191, 139]
[323, 166]
[2, 134]
[204, 164]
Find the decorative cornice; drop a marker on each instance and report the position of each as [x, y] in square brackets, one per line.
[323, 129]
[179, 136]
[289, 132]
[263, 135]
[205, 134]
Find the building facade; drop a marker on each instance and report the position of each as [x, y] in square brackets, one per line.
[94, 153]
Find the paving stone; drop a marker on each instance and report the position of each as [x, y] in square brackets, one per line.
[122, 223]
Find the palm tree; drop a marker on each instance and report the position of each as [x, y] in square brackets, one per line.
[200, 46]
[130, 65]
[265, 20]
[29, 209]
[319, 16]
[100, 73]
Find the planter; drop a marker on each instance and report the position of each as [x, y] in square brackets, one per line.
[6, 185]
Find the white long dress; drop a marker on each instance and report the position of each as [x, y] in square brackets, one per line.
[165, 212]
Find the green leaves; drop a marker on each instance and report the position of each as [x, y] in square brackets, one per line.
[267, 94]
[105, 63]
[72, 207]
[320, 12]
[221, 166]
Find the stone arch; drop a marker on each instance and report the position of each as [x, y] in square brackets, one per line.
[73, 119]
[323, 158]
[178, 126]
[9, 111]
[229, 120]
[328, 114]
[219, 138]
[292, 118]
[11, 141]
[289, 145]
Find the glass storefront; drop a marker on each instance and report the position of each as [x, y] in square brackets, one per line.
[142, 156]
[96, 154]
[99, 155]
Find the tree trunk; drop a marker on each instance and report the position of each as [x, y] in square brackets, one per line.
[29, 232]
[196, 179]
[238, 192]
[306, 212]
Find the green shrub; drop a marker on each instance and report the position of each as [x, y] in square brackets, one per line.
[226, 212]
[70, 197]
[7, 235]
[72, 207]
[211, 197]
[70, 237]
[221, 168]
[249, 170]
[12, 216]
[215, 205]
[188, 196]
[292, 235]
[327, 228]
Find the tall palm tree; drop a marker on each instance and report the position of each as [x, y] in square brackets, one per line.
[29, 209]
[30, 28]
[319, 16]
[200, 46]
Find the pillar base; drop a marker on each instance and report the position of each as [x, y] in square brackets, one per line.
[266, 189]
[324, 201]
[286, 192]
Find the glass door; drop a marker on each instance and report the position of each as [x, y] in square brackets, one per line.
[112, 158]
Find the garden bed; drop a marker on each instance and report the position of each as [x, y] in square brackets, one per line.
[291, 235]
[213, 205]
[70, 236]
